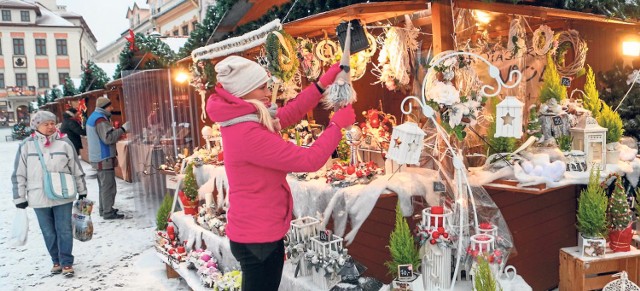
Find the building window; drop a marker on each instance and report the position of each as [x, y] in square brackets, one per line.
[18, 46]
[61, 47]
[24, 16]
[41, 47]
[176, 32]
[6, 15]
[194, 25]
[43, 80]
[185, 30]
[2, 81]
[21, 79]
[62, 78]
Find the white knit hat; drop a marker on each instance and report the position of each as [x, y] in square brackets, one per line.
[239, 76]
[40, 117]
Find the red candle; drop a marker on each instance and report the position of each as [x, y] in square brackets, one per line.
[170, 231]
[181, 249]
[486, 226]
[437, 210]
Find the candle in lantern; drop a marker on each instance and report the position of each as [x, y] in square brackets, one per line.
[486, 226]
[437, 221]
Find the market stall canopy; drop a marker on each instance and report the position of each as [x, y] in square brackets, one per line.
[242, 12]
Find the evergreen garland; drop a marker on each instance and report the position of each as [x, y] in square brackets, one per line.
[201, 34]
[93, 78]
[552, 87]
[613, 86]
[402, 246]
[164, 212]
[591, 98]
[162, 55]
[282, 65]
[592, 208]
[483, 279]
[190, 186]
[619, 213]
[612, 122]
[69, 88]
[52, 95]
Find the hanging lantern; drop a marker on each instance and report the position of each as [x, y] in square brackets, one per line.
[590, 138]
[509, 118]
[621, 284]
[406, 145]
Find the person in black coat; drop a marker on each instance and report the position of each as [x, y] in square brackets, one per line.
[72, 128]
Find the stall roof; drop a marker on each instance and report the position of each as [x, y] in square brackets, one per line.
[242, 12]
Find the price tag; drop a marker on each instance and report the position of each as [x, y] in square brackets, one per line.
[325, 235]
[405, 272]
[439, 186]
[557, 120]
[367, 140]
[566, 81]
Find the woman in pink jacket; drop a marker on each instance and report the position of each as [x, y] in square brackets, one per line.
[257, 161]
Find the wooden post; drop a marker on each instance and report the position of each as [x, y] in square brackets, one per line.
[171, 273]
[442, 25]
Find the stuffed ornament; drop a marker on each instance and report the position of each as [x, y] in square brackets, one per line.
[341, 93]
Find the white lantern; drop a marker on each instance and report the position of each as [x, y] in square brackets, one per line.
[406, 144]
[509, 118]
[590, 138]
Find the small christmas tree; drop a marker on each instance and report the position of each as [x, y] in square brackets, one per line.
[591, 99]
[552, 87]
[402, 246]
[164, 212]
[619, 213]
[190, 187]
[611, 120]
[69, 87]
[533, 125]
[93, 78]
[483, 279]
[592, 208]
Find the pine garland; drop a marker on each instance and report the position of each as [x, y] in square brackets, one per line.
[69, 87]
[483, 279]
[93, 78]
[552, 87]
[402, 245]
[591, 98]
[190, 186]
[163, 56]
[592, 208]
[618, 212]
[164, 212]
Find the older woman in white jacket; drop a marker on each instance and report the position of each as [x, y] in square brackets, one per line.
[54, 216]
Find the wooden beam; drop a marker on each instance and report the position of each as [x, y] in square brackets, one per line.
[442, 26]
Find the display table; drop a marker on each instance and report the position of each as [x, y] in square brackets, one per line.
[541, 223]
[581, 273]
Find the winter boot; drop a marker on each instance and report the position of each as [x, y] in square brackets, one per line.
[67, 271]
[56, 269]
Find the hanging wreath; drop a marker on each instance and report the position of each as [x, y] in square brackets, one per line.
[327, 51]
[566, 39]
[281, 54]
[309, 63]
[542, 46]
[516, 44]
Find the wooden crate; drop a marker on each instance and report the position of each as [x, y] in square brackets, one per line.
[577, 273]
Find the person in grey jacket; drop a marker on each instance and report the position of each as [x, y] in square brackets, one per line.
[54, 216]
[102, 138]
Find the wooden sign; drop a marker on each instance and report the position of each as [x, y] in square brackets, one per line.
[405, 272]
[438, 186]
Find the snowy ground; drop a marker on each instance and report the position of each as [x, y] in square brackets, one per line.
[119, 257]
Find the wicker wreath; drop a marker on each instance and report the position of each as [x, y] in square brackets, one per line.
[327, 51]
[541, 47]
[281, 54]
[309, 63]
[579, 52]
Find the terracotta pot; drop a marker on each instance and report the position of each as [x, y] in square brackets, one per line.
[620, 240]
[190, 206]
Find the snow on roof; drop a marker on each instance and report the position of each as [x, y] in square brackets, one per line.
[175, 43]
[50, 18]
[108, 68]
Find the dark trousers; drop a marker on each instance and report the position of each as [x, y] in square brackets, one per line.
[107, 188]
[261, 264]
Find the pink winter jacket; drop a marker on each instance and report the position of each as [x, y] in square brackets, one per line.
[257, 162]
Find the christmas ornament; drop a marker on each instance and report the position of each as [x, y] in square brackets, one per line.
[509, 118]
[341, 93]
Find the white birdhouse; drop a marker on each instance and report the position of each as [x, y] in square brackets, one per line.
[406, 144]
[509, 118]
[590, 138]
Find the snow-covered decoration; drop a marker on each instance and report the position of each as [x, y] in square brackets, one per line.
[554, 122]
[200, 81]
[212, 134]
[436, 245]
[341, 92]
[590, 138]
[326, 258]
[407, 143]
[342, 175]
[539, 170]
[516, 41]
[395, 57]
[209, 218]
[621, 284]
[212, 179]
[542, 46]
[376, 130]
[298, 241]
[509, 117]
[236, 44]
[311, 66]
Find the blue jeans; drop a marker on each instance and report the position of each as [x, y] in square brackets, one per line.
[55, 224]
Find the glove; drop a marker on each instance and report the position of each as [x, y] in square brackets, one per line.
[126, 126]
[330, 75]
[22, 205]
[82, 196]
[344, 116]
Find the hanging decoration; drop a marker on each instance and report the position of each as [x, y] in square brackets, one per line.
[131, 39]
[341, 93]
[621, 284]
[539, 45]
[509, 118]
[309, 63]
[566, 39]
[516, 43]
[281, 53]
[397, 52]
[327, 51]
[376, 130]
[407, 143]
[236, 44]
[201, 82]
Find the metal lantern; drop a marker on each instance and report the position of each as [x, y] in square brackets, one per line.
[406, 144]
[509, 118]
[590, 138]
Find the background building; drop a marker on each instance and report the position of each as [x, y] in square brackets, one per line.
[41, 44]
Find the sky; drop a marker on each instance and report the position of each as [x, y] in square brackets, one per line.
[107, 19]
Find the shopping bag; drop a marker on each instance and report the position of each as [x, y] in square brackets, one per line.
[81, 220]
[20, 228]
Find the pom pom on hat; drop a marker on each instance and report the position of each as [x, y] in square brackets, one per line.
[40, 117]
[239, 76]
[103, 102]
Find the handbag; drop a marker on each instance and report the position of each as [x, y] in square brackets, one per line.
[57, 185]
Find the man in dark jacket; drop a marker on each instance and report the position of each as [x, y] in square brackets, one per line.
[72, 127]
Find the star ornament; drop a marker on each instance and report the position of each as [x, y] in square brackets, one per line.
[507, 119]
[398, 142]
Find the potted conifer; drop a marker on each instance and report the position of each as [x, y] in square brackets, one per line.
[483, 279]
[611, 120]
[403, 252]
[592, 218]
[189, 193]
[619, 217]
